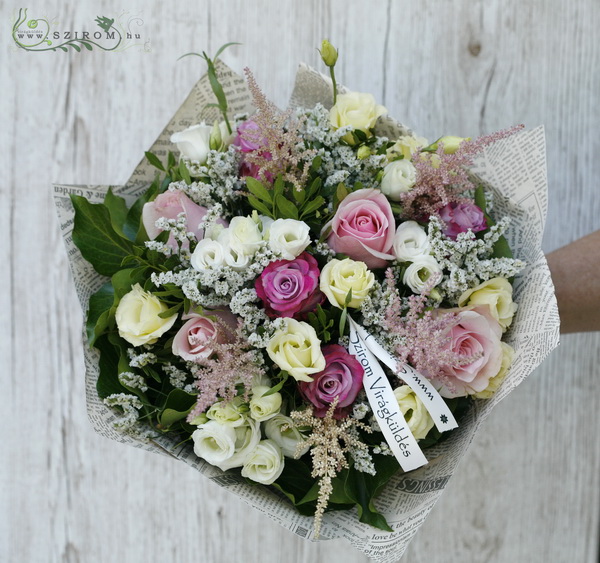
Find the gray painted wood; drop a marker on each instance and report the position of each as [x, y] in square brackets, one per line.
[527, 491]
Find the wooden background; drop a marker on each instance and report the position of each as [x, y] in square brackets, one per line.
[529, 487]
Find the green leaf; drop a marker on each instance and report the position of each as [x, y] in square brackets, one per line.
[100, 302]
[95, 237]
[502, 249]
[177, 407]
[312, 206]
[117, 208]
[154, 160]
[287, 208]
[260, 206]
[299, 195]
[277, 388]
[343, 319]
[295, 480]
[171, 311]
[108, 378]
[222, 48]
[480, 198]
[256, 188]
[185, 173]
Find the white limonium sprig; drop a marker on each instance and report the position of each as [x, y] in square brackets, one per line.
[177, 377]
[140, 360]
[128, 421]
[467, 259]
[133, 381]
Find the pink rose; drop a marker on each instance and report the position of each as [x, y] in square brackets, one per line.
[341, 378]
[460, 217]
[196, 338]
[477, 334]
[290, 288]
[168, 205]
[248, 138]
[363, 228]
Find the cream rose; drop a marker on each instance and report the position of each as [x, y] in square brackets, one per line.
[418, 419]
[207, 255]
[288, 237]
[399, 176]
[410, 242]
[282, 430]
[508, 355]
[406, 146]
[418, 273]
[338, 277]
[194, 142]
[296, 349]
[138, 318]
[497, 293]
[265, 464]
[356, 109]
[263, 408]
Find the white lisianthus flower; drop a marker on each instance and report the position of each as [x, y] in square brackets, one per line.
[137, 317]
[287, 439]
[356, 109]
[194, 142]
[243, 236]
[228, 414]
[338, 277]
[410, 242]
[263, 408]
[207, 255]
[399, 176]
[225, 446]
[497, 293]
[419, 420]
[296, 349]
[265, 464]
[214, 442]
[406, 146]
[289, 237]
[417, 274]
[508, 355]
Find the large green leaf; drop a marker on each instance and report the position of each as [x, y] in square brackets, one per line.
[177, 406]
[100, 302]
[108, 380]
[96, 238]
[117, 209]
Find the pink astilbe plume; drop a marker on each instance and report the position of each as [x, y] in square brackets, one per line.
[232, 364]
[442, 178]
[422, 335]
[282, 148]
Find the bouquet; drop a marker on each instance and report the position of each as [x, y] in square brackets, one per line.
[317, 300]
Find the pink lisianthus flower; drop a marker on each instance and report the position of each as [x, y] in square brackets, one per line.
[169, 205]
[290, 288]
[460, 217]
[363, 228]
[475, 340]
[195, 340]
[341, 379]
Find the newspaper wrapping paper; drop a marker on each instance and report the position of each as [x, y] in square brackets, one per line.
[520, 191]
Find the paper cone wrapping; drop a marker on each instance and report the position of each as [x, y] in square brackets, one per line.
[408, 498]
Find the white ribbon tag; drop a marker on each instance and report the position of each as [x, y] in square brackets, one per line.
[385, 407]
[435, 405]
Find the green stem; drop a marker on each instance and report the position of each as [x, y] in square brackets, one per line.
[332, 73]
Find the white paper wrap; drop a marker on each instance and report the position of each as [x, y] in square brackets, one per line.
[409, 497]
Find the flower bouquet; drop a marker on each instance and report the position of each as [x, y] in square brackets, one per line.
[315, 307]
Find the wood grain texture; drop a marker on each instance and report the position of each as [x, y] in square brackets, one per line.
[529, 487]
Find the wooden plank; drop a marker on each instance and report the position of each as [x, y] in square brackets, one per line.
[527, 490]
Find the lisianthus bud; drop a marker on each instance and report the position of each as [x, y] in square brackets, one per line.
[450, 142]
[329, 53]
[216, 140]
[363, 152]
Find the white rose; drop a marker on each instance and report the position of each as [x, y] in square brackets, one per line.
[338, 277]
[228, 414]
[265, 464]
[497, 293]
[207, 255]
[296, 349]
[287, 439]
[399, 176]
[419, 272]
[137, 317]
[410, 242]
[263, 408]
[419, 420]
[406, 146]
[225, 446]
[289, 237]
[194, 142]
[243, 236]
[356, 109]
